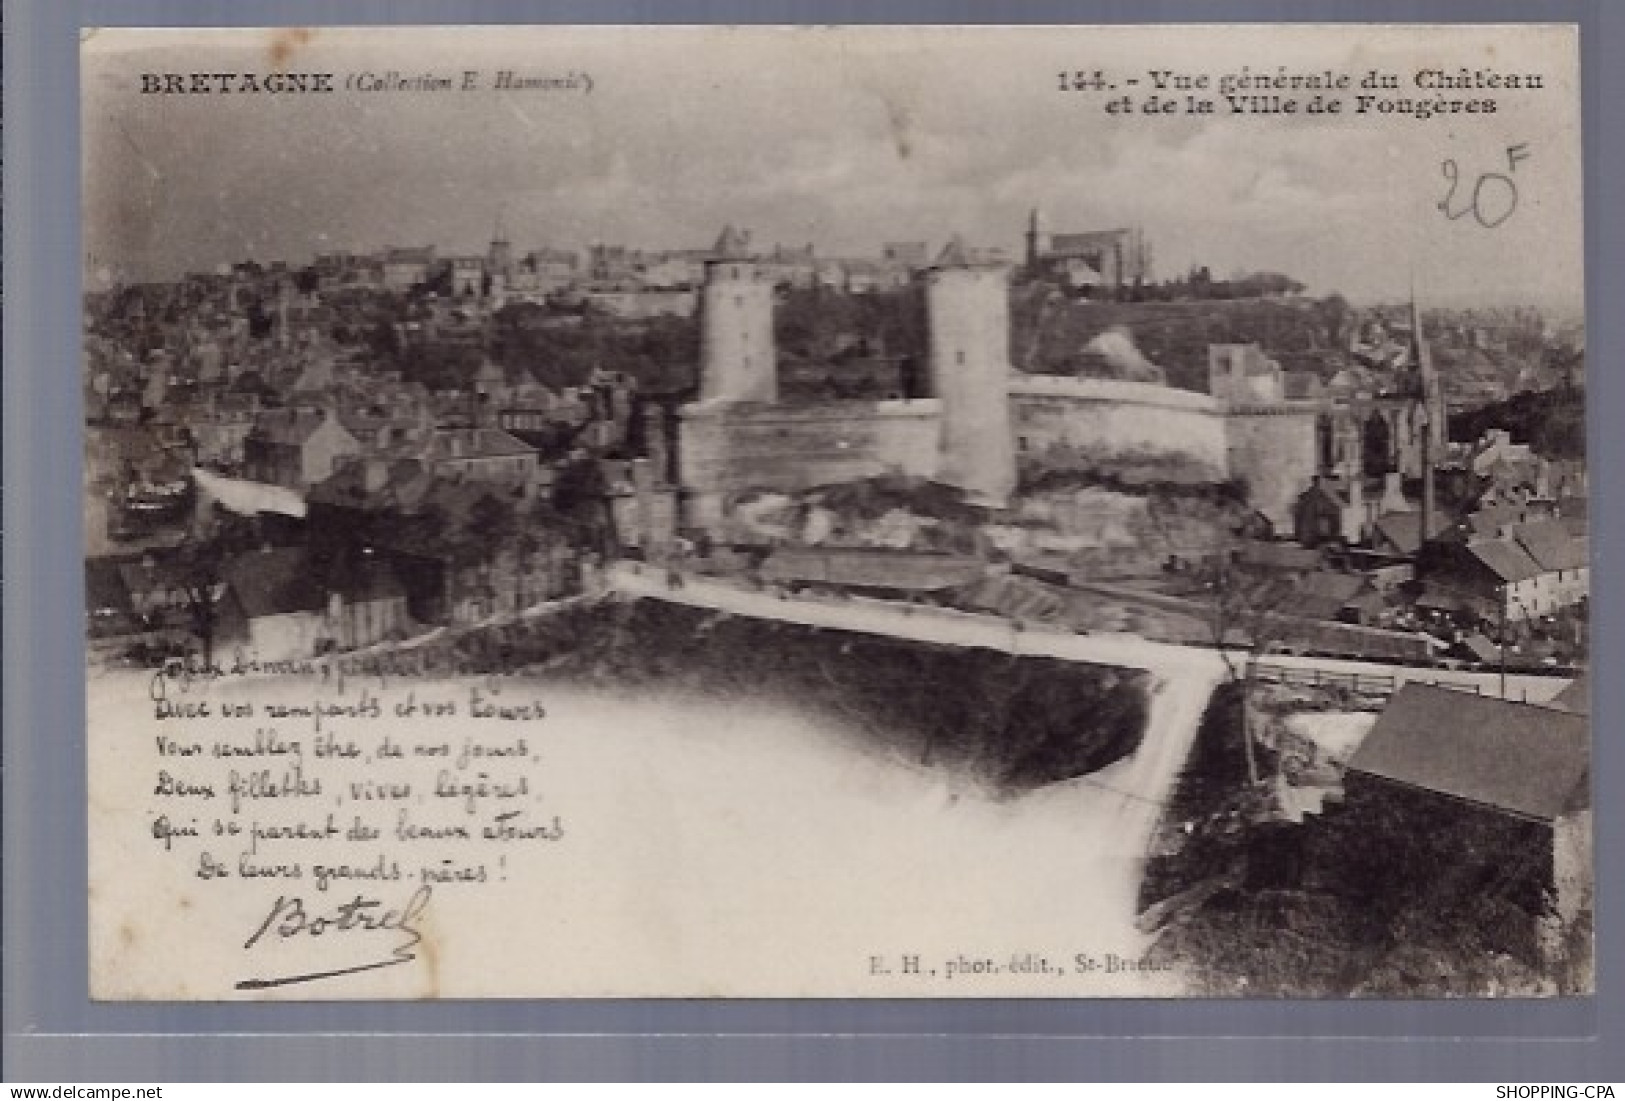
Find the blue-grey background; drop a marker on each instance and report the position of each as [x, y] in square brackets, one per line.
[54, 1034]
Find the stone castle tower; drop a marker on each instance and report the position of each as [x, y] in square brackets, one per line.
[968, 307]
[737, 357]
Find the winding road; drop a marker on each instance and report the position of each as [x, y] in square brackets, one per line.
[1132, 790]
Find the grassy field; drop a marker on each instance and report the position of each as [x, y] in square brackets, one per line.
[1175, 335]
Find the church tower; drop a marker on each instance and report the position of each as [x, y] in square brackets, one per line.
[1035, 240]
[1427, 382]
[968, 321]
[499, 260]
[1434, 434]
[737, 358]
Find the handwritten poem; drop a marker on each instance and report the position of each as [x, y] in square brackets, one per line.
[320, 833]
[347, 807]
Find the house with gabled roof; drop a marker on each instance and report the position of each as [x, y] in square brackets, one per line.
[404, 268]
[1400, 533]
[295, 448]
[272, 606]
[281, 603]
[1441, 759]
[481, 454]
[1525, 570]
[1327, 594]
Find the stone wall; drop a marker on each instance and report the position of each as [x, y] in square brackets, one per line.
[727, 449]
[1116, 415]
[1273, 449]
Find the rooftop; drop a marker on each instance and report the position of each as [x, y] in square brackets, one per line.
[1550, 544]
[273, 582]
[1530, 761]
[1063, 244]
[1505, 559]
[475, 443]
[1576, 697]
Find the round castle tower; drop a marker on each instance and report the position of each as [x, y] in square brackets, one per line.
[968, 306]
[737, 358]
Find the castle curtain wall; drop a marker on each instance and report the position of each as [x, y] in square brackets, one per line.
[1105, 416]
[1273, 449]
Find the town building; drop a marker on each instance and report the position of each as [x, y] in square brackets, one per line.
[1243, 374]
[481, 454]
[405, 268]
[467, 276]
[280, 604]
[1089, 262]
[544, 271]
[1341, 509]
[1453, 763]
[910, 254]
[1523, 571]
[295, 448]
[642, 303]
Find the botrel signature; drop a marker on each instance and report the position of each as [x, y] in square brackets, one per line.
[366, 921]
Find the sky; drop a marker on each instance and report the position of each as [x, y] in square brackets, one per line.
[844, 138]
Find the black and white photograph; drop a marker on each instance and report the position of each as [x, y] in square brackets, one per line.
[836, 512]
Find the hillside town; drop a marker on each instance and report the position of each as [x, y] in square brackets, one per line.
[1376, 516]
[425, 440]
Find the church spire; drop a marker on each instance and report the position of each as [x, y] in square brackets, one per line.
[1433, 428]
[1035, 238]
[1427, 379]
[498, 259]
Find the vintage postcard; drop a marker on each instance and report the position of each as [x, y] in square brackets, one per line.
[836, 512]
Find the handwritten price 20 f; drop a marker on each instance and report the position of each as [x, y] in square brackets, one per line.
[1493, 197]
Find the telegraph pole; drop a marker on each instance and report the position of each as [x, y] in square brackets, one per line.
[1502, 631]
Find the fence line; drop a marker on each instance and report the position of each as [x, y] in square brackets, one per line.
[1376, 684]
[1373, 684]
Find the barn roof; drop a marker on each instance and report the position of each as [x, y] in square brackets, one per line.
[1576, 697]
[1530, 761]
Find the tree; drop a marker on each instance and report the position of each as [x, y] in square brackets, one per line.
[581, 497]
[441, 366]
[383, 340]
[260, 320]
[1244, 619]
[197, 568]
[492, 519]
[1333, 311]
[1244, 602]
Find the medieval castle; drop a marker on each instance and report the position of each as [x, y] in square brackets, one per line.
[984, 420]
